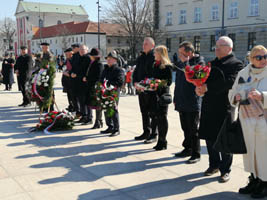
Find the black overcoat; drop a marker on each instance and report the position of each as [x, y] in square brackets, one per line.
[8, 70]
[215, 103]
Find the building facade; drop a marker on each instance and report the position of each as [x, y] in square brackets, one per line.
[30, 16]
[203, 21]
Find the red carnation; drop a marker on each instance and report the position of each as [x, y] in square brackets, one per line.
[50, 120]
[40, 121]
[187, 68]
[47, 66]
[191, 74]
[206, 69]
[53, 116]
[197, 67]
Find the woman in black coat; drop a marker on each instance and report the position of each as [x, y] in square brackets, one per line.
[8, 72]
[216, 106]
[93, 76]
[158, 108]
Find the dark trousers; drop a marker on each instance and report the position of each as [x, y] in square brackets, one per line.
[189, 123]
[114, 121]
[70, 99]
[81, 104]
[218, 159]
[149, 123]
[26, 99]
[98, 114]
[162, 124]
[8, 86]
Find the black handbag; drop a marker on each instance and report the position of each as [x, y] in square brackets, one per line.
[165, 99]
[230, 138]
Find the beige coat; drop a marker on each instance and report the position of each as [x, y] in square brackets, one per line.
[254, 128]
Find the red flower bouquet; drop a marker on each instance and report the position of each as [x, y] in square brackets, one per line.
[197, 74]
[150, 84]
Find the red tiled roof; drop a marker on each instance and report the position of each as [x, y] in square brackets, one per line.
[74, 28]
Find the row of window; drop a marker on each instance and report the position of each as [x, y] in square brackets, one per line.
[72, 39]
[196, 42]
[233, 12]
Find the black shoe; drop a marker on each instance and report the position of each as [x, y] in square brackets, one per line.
[21, 104]
[152, 138]
[251, 186]
[81, 120]
[108, 130]
[184, 153]
[224, 178]
[210, 171]
[193, 159]
[144, 136]
[87, 122]
[114, 133]
[161, 145]
[27, 105]
[260, 191]
[98, 124]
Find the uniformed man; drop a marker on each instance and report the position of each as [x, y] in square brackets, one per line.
[23, 70]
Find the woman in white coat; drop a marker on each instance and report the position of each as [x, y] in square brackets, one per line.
[250, 92]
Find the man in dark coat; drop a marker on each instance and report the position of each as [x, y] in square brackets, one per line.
[215, 105]
[187, 103]
[143, 70]
[66, 79]
[78, 71]
[23, 69]
[113, 75]
[7, 71]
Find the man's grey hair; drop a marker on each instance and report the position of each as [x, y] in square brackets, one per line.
[151, 40]
[227, 40]
[84, 46]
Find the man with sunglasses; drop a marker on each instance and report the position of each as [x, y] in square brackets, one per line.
[215, 105]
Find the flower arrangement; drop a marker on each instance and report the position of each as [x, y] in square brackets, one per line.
[150, 84]
[40, 88]
[106, 98]
[55, 121]
[197, 74]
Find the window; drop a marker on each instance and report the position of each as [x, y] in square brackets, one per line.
[169, 18]
[109, 41]
[77, 40]
[50, 41]
[254, 8]
[119, 41]
[168, 44]
[41, 23]
[251, 40]
[72, 39]
[232, 36]
[59, 22]
[182, 16]
[32, 43]
[81, 39]
[233, 10]
[197, 43]
[56, 41]
[212, 42]
[197, 15]
[69, 40]
[215, 12]
[181, 39]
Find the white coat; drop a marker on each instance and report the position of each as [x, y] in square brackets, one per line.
[254, 128]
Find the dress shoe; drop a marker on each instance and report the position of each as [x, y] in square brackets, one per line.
[161, 145]
[260, 191]
[224, 178]
[81, 120]
[21, 104]
[152, 138]
[87, 122]
[144, 136]
[108, 130]
[250, 187]
[114, 133]
[184, 153]
[210, 171]
[193, 159]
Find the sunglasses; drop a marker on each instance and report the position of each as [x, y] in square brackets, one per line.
[259, 57]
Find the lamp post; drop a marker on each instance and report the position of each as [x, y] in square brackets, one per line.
[98, 32]
[223, 27]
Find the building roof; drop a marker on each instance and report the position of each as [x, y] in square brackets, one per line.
[51, 8]
[75, 28]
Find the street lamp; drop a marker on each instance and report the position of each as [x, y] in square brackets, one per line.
[98, 32]
[223, 27]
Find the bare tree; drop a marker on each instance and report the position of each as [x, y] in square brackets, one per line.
[7, 31]
[63, 34]
[132, 15]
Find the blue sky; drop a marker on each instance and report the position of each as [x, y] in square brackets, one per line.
[9, 7]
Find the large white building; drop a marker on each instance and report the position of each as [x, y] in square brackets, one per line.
[203, 21]
[30, 16]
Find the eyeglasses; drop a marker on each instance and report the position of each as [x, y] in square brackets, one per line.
[221, 45]
[259, 57]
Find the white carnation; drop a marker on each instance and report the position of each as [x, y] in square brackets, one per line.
[45, 85]
[39, 83]
[104, 106]
[106, 102]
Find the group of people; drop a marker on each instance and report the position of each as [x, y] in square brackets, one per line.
[202, 109]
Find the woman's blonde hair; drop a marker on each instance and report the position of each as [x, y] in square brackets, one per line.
[164, 57]
[255, 50]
